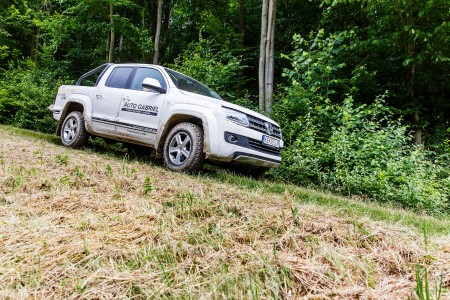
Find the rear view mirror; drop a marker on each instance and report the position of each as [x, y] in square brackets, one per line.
[153, 84]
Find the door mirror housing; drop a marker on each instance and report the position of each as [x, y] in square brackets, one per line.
[153, 84]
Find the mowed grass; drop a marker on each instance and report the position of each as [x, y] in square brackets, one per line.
[106, 223]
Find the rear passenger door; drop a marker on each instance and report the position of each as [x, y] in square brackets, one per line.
[108, 98]
[141, 109]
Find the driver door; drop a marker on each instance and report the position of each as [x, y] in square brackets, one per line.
[140, 109]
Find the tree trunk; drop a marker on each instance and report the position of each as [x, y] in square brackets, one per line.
[107, 45]
[242, 10]
[158, 33]
[270, 53]
[409, 45]
[266, 55]
[111, 40]
[35, 45]
[417, 130]
[262, 54]
[165, 28]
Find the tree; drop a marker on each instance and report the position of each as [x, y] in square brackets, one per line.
[404, 43]
[158, 32]
[266, 55]
[111, 32]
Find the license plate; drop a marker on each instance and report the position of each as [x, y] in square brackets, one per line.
[270, 141]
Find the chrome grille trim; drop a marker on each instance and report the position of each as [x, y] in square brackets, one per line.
[260, 125]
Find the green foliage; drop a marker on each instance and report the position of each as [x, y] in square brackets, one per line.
[218, 69]
[404, 44]
[347, 147]
[315, 66]
[147, 186]
[368, 152]
[25, 94]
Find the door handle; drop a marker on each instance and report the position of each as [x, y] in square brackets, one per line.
[126, 98]
[99, 96]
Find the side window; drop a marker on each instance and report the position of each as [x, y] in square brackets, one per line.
[92, 77]
[119, 77]
[143, 73]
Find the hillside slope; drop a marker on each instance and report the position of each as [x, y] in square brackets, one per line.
[84, 224]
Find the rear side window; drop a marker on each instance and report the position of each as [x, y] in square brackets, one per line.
[119, 77]
[143, 73]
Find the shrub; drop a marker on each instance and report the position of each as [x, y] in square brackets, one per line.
[368, 152]
[352, 148]
[25, 94]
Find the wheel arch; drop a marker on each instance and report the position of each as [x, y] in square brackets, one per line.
[70, 107]
[174, 120]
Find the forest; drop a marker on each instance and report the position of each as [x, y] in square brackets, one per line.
[360, 88]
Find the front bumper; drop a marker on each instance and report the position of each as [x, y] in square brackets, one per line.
[248, 156]
[54, 113]
[246, 147]
[255, 160]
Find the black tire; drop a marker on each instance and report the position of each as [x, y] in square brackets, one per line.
[183, 148]
[73, 131]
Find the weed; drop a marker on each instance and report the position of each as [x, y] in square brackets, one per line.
[78, 174]
[65, 180]
[294, 212]
[148, 187]
[80, 288]
[108, 169]
[62, 160]
[422, 289]
[425, 236]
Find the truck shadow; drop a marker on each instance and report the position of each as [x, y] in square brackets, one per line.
[133, 153]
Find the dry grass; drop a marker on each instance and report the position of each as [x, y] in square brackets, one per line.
[74, 224]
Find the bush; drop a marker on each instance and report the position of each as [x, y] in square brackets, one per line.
[25, 94]
[352, 148]
[368, 153]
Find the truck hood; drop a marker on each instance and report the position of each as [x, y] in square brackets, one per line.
[229, 105]
[248, 111]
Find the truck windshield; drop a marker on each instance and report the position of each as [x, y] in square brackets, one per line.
[189, 84]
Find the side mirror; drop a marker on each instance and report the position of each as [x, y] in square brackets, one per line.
[153, 84]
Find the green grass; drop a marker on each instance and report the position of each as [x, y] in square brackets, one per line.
[345, 206]
[387, 212]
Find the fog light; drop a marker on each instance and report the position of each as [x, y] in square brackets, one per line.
[232, 138]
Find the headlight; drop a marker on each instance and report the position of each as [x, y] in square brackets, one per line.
[236, 117]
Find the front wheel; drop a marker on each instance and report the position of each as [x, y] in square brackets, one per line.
[183, 148]
[73, 132]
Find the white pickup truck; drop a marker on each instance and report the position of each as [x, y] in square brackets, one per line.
[185, 121]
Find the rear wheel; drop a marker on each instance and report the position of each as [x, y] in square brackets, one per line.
[183, 148]
[73, 132]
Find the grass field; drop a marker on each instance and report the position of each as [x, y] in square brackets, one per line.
[103, 223]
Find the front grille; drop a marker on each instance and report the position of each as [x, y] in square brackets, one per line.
[260, 125]
[258, 146]
[254, 144]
